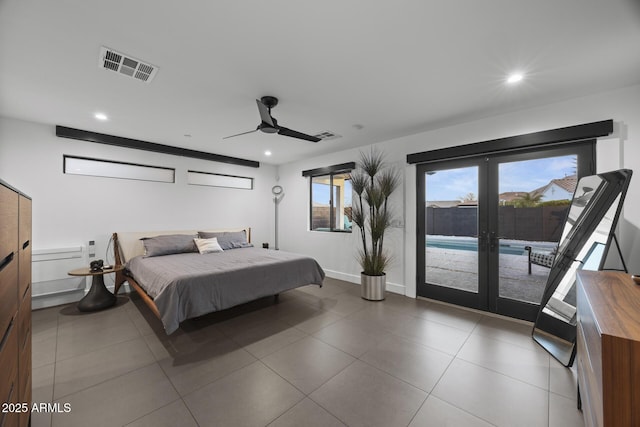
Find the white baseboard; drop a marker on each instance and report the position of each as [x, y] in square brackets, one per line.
[52, 300]
[58, 286]
[50, 293]
[353, 278]
[343, 276]
[396, 288]
[64, 291]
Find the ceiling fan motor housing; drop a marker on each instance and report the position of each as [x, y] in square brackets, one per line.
[267, 128]
[269, 101]
[264, 127]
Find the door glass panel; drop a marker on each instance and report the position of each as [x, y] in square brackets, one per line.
[534, 198]
[341, 202]
[451, 224]
[321, 203]
[331, 202]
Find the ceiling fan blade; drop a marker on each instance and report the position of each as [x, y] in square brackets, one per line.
[264, 113]
[295, 134]
[238, 134]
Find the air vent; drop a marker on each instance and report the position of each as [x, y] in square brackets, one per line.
[126, 65]
[327, 135]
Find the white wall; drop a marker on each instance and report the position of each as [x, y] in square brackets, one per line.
[70, 210]
[336, 251]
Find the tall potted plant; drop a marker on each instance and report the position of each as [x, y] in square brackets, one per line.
[373, 182]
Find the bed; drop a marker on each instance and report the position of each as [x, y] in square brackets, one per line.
[179, 281]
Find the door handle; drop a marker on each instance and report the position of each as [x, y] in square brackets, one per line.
[482, 240]
[6, 260]
[494, 241]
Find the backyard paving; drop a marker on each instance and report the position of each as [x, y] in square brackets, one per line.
[459, 269]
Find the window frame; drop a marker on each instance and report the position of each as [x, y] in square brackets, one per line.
[95, 167]
[330, 172]
[219, 180]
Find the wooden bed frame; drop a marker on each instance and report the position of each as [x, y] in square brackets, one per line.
[121, 275]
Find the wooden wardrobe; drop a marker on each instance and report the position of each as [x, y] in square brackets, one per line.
[15, 307]
[608, 348]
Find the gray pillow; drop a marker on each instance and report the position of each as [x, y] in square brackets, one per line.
[170, 244]
[228, 239]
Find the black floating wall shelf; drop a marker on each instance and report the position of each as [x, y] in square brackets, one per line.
[101, 138]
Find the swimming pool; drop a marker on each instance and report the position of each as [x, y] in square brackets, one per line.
[471, 244]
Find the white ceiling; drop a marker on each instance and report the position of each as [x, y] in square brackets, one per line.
[394, 68]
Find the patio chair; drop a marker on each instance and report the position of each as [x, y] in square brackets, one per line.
[544, 259]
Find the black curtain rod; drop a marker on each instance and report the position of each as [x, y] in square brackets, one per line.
[136, 144]
[535, 139]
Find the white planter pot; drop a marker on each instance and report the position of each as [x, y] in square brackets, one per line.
[373, 287]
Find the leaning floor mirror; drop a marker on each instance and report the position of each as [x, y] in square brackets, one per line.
[584, 245]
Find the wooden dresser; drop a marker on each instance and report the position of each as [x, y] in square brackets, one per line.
[608, 348]
[15, 307]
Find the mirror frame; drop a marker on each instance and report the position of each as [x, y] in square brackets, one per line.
[556, 336]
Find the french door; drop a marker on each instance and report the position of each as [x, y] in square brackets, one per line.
[480, 217]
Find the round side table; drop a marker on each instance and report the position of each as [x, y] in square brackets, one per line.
[98, 297]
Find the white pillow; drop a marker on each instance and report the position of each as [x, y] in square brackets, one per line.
[206, 246]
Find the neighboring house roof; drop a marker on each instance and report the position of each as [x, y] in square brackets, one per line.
[540, 191]
[509, 196]
[568, 184]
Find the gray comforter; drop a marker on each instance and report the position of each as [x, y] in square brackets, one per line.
[190, 284]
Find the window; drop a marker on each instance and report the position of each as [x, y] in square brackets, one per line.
[112, 169]
[219, 180]
[330, 191]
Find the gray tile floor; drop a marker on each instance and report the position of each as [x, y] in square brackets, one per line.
[317, 357]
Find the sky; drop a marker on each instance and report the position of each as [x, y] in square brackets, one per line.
[527, 175]
[455, 184]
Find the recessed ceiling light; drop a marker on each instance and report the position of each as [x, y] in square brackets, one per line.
[100, 116]
[514, 78]
[267, 153]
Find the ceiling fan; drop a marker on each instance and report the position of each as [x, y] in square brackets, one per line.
[269, 124]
